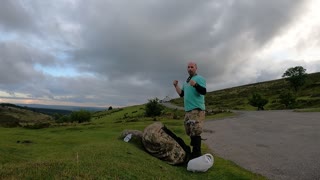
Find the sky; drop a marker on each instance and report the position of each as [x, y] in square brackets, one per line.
[121, 53]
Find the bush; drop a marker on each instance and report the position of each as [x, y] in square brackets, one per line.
[80, 116]
[63, 119]
[57, 116]
[288, 99]
[153, 108]
[256, 100]
[37, 125]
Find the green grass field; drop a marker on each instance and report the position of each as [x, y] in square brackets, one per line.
[95, 151]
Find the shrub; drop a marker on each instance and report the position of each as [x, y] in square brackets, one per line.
[256, 100]
[288, 99]
[153, 108]
[57, 116]
[80, 116]
[37, 125]
[63, 119]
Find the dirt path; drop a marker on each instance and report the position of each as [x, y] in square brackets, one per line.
[276, 144]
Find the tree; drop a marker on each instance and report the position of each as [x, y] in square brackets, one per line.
[153, 108]
[57, 116]
[80, 116]
[64, 118]
[288, 99]
[256, 100]
[110, 108]
[296, 76]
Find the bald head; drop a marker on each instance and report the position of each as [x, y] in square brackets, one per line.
[191, 63]
[192, 68]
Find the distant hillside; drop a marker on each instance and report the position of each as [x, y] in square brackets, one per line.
[12, 116]
[60, 107]
[237, 97]
[50, 111]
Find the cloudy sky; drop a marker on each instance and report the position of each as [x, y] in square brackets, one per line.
[124, 52]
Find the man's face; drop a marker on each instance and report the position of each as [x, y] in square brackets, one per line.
[192, 68]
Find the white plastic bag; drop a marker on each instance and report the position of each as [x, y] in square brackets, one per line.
[201, 164]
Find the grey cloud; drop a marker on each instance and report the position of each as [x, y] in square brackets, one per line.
[13, 16]
[138, 37]
[126, 39]
[257, 20]
[17, 63]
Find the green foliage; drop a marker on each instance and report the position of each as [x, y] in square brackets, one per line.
[37, 125]
[153, 108]
[256, 100]
[110, 108]
[288, 99]
[175, 114]
[296, 76]
[63, 119]
[308, 110]
[80, 116]
[8, 121]
[57, 116]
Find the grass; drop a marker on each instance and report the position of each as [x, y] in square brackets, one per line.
[308, 110]
[220, 115]
[95, 151]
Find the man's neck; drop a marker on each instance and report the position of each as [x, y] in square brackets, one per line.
[190, 76]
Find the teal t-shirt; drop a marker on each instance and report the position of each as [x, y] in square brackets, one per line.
[192, 99]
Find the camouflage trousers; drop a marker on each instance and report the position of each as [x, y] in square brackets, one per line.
[161, 145]
[193, 122]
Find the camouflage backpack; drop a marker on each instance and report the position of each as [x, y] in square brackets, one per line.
[162, 143]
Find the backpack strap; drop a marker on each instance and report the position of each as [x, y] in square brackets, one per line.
[184, 146]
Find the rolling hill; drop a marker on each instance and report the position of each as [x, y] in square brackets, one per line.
[12, 116]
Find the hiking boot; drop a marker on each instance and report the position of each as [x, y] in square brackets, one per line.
[196, 144]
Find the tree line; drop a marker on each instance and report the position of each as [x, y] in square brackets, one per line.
[76, 116]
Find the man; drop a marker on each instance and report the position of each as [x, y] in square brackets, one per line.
[193, 91]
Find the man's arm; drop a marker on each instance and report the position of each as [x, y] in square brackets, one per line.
[201, 90]
[178, 89]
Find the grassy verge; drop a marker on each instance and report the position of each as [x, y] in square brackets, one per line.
[308, 110]
[95, 151]
[220, 115]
